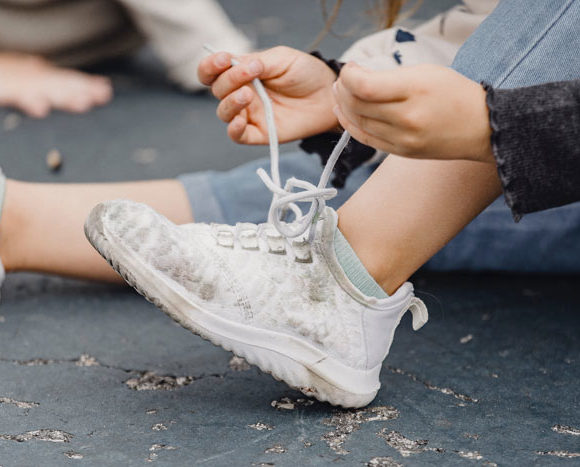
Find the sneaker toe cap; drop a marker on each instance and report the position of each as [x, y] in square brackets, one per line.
[178, 254]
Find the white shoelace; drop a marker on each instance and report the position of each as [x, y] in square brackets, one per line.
[284, 198]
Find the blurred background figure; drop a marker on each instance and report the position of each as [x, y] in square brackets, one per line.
[42, 42]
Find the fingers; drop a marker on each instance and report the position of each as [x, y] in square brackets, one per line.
[232, 85]
[236, 77]
[373, 118]
[374, 86]
[358, 110]
[213, 66]
[377, 139]
[217, 71]
[237, 128]
[234, 103]
[384, 136]
[379, 128]
[240, 131]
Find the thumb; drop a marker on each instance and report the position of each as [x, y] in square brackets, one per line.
[374, 86]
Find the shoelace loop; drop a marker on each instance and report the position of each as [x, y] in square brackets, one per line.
[284, 198]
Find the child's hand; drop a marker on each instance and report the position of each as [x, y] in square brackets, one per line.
[424, 111]
[299, 85]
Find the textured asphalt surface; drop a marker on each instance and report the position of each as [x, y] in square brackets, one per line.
[93, 375]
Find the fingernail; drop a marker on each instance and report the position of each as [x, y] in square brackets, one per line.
[255, 67]
[241, 97]
[221, 60]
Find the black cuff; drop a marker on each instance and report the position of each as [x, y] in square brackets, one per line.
[333, 64]
[535, 144]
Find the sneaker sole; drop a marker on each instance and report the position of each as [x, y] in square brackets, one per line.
[287, 358]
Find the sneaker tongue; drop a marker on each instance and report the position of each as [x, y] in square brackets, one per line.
[327, 224]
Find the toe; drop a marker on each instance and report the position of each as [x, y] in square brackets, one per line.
[80, 103]
[77, 92]
[36, 106]
[101, 90]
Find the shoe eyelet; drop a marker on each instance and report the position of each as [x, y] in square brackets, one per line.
[225, 239]
[303, 260]
[302, 250]
[249, 240]
[276, 244]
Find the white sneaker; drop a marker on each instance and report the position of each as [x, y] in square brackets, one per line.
[273, 293]
[284, 305]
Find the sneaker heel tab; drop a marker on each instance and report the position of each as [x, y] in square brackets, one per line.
[419, 312]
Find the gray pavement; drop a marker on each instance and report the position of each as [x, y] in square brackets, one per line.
[93, 375]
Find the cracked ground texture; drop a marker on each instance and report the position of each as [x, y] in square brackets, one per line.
[93, 375]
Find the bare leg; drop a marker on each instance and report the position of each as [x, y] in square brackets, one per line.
[35, 86]
[41, 228]
[409, 209]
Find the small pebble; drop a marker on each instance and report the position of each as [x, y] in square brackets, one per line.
[54, 160]
[276, 449]
[466, 339]
[73, 455]
[283, 404]
[383, 462]
[262, 426]
[159, 447]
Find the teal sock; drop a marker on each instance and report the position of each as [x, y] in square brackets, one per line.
[354, 269]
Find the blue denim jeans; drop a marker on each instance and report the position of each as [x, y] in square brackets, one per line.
[522, 43]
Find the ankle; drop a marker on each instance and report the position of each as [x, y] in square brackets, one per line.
[354, 269]
[382, 263]
[11, 226]
[385, 273]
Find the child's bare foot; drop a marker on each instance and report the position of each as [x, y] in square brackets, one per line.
[35, 86]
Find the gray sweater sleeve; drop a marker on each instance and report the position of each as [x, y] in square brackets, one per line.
[536, 143]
